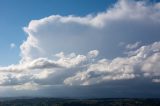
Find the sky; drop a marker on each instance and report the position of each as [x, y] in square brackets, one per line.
[80, 49]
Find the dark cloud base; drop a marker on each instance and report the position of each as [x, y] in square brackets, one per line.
[135, 88]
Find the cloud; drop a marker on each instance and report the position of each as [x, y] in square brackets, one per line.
[43, 70]
[12, 45]
[143, 63]
[133, 46]
[71, 33]
[26, 86]
[71, 51]
[84, 70]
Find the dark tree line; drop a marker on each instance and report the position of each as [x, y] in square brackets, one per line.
[78, 102]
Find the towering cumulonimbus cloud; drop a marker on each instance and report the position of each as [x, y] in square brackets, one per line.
[121, 23]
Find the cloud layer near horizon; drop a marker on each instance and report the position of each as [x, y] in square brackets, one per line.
[95, 36]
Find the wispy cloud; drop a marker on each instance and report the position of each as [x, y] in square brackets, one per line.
[12, 45]
[133, 46]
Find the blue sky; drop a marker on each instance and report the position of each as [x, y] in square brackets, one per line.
[76, 48]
